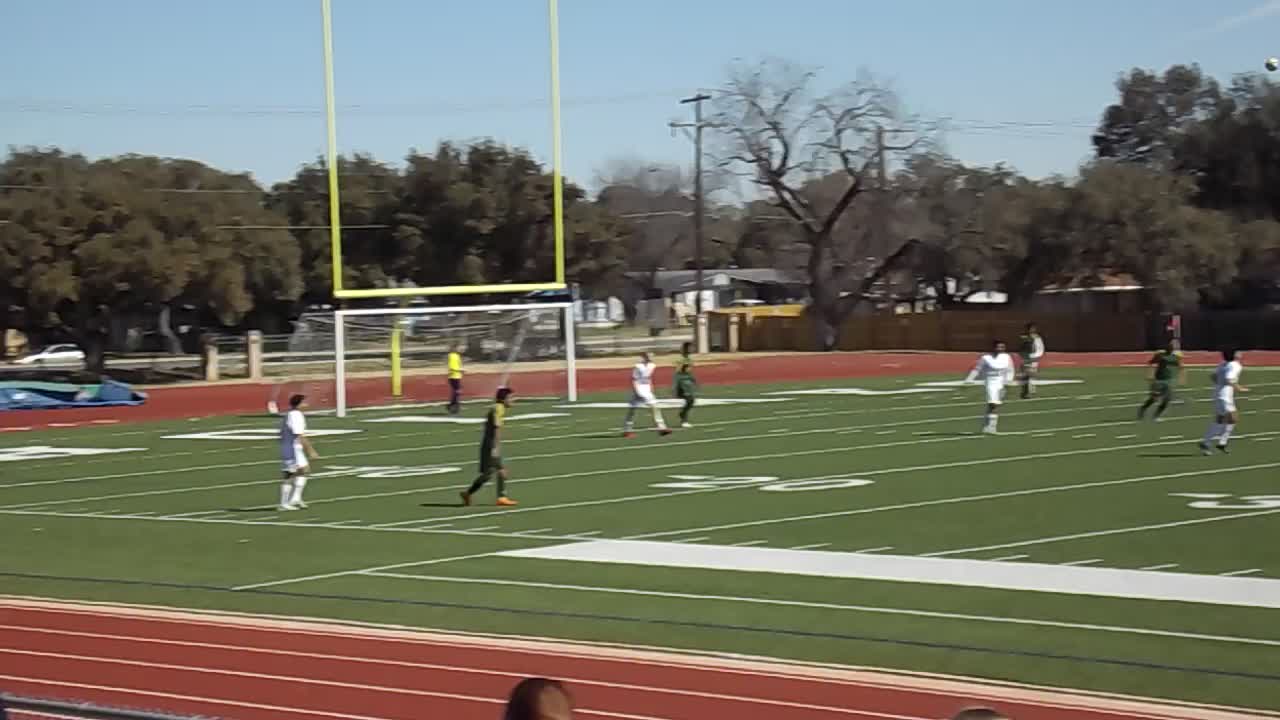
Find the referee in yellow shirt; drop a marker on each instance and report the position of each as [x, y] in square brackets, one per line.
[455, 380]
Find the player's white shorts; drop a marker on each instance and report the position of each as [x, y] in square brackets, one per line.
[294, 459]
[1224, 405]
[1031, 367]
[995, 394]
[643, 398]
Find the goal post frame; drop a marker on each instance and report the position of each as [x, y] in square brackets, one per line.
[335, 196]
[565, 309]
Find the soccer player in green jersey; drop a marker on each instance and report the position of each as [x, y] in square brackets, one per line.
[491, 450]
[1030, 351]
[686, 385]
[1166, 367]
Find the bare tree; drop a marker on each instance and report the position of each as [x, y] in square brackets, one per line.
[816, 156]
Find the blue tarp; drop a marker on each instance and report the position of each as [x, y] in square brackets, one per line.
[50, 396]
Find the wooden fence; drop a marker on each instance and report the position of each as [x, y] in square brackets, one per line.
[973, 331]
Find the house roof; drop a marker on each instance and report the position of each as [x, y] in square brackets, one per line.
[1119, 282]
[683, 280]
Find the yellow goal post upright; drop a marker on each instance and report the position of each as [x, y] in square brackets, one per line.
[340, 291]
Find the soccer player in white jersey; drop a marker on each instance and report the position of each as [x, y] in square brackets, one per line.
[295, 448]
[995, 370]
[1226, 383]
[642, 395]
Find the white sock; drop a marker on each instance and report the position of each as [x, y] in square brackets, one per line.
[995, 420]
[1226, 434]
[629, 422]
[1212, 433]
[659, 420]
[286, 489]
[299, 482]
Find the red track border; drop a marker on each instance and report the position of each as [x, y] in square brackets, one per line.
[267, 668]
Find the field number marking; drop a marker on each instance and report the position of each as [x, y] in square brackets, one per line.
[1220, 501]
[765, 483]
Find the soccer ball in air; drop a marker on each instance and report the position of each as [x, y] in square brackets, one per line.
[1272, 64]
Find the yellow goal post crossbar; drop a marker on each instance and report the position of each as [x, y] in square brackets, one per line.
[335, 197]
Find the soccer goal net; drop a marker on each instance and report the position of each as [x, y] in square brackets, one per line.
[372, 358]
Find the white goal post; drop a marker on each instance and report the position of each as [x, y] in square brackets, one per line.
[397, 355]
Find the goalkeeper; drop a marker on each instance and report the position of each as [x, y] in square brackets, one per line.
[685, 385]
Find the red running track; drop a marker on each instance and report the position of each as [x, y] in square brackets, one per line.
[254, 668]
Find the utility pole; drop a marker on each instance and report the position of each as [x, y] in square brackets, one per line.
[698, 125]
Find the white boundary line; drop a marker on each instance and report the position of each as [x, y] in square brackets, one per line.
[832, 606]
[434, 561]
[728, 664]
[1103, 533]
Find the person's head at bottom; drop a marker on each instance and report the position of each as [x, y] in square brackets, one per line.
[979, 713]
[539, 699]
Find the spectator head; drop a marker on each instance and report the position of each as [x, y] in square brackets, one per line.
[539, 699]
[981, 713]
[296, 401]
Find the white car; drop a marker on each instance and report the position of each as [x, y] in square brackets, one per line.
[55, 355]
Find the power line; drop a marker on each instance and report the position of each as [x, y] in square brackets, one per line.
[69, 107]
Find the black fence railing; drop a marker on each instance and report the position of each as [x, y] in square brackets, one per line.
[18, 707]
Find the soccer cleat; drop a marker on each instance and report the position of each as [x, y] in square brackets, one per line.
[286, 508]
[628, 434]
[686, 425]
[506, 502]
[466, 498]
[665, 431]
[1204, 449]
[1223, 449]
[299, 505]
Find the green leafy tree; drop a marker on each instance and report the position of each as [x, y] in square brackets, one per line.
[88, 242]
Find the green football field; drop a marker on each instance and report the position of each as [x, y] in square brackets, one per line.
[864, 522]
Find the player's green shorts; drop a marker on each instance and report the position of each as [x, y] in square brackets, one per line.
[1162, 388]
[489, 462]
[685, 389]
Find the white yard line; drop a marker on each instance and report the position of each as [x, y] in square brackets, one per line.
[1093, 561]
[466, 461]
[1253, 571]
[1007, 558]
[687, 531]
[709, 461]
[967, 498]
[814, 546]
[390, 451]
[1165, 566]
[875, 549]
[1233, 639]
[1103, 533]
[380, 568]
[749, 543]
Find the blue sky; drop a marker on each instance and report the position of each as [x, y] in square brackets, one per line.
[238, 83]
